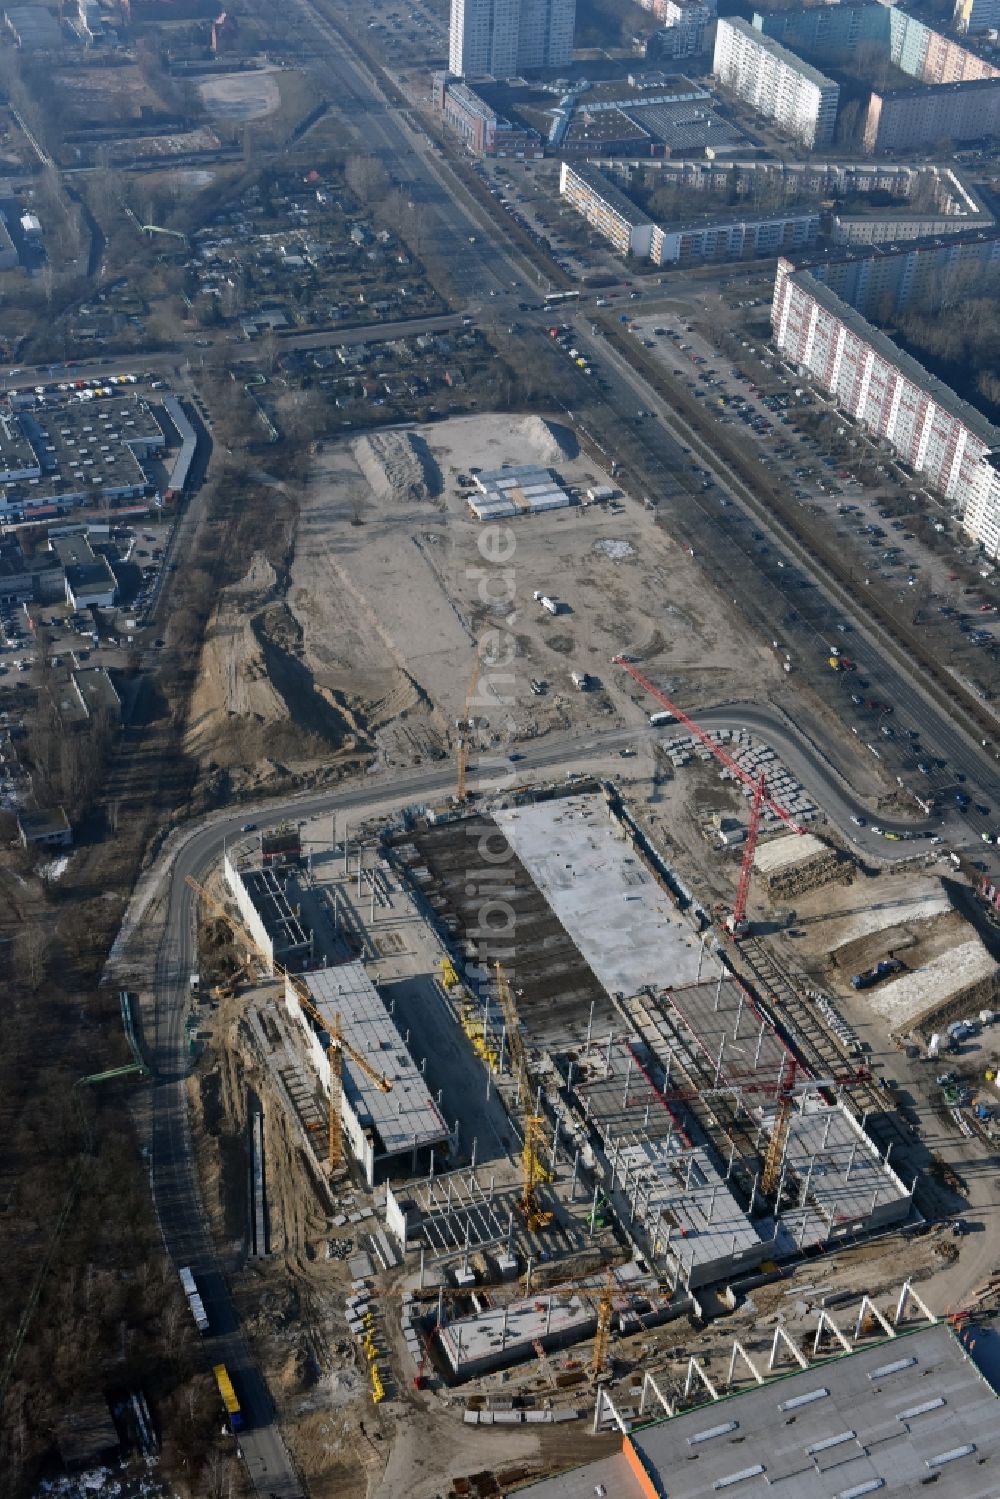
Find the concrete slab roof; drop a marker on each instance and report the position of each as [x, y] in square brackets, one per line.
[708, 1226]
[509, 1332]
[605, 895]
[620, 1099]
[885, 1420]
[408, 1114]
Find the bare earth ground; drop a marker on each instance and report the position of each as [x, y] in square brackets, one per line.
[256, 711]
[371, 641]
[392, 573]
[241, 96]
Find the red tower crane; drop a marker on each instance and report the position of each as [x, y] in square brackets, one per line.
[737, 923]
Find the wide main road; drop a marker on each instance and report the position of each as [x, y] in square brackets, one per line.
[496, 275]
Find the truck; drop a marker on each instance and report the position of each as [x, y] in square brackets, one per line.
[656, 719]
[194, 1300]
[875, 975]
[195, 983]
[545, 601]
[229, 1399]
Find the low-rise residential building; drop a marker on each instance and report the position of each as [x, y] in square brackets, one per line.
[944, 439]
[776, 83]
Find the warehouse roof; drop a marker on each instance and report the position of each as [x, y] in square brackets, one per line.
[887, 1419]
[405, 1117]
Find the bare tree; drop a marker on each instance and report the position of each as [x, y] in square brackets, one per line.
[31, 951]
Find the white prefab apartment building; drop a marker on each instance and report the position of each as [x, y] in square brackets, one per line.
[502, 38]
[775, 82]
[945, 440]
[606, 207]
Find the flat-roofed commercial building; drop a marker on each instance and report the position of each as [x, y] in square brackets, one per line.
[776, 83]
[484, 130]
[887, 1418]
[382, 1128]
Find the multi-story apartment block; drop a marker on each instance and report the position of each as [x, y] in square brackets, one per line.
[775, 82]
[684, 33]
[502, 38]
[912, 119]
[833, 33]
[607, 208]
[736, 237]
[976, 16]
[728, 236]
[940, 436]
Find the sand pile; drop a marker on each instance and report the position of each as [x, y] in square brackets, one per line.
[548, 443]
[398, 466]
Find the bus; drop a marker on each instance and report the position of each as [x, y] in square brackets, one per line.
[228, 1394]
[556, 298]
[663, 717]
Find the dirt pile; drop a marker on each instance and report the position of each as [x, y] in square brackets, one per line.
[398, 466]
[256, 710]
[549, 442]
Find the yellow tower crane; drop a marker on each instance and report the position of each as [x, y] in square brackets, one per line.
[338, 1046]
[784, 1103]
[535, 1172]
[602, 1334]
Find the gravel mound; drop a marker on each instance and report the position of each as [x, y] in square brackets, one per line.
[399, 466]
[549, 443]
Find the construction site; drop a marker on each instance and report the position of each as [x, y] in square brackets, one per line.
[542, 1086]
